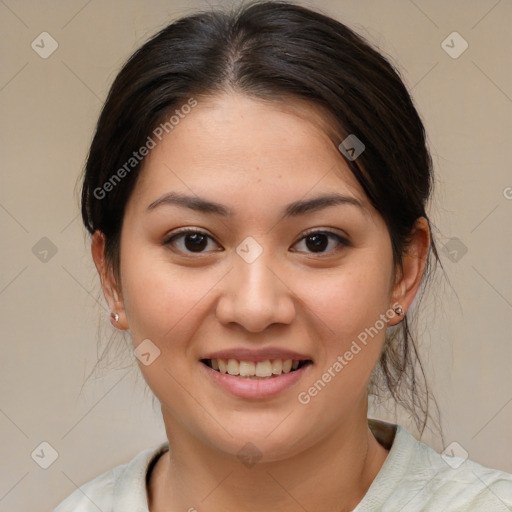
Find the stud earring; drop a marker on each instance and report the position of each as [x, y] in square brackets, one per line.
[115, 316]
[399, 311]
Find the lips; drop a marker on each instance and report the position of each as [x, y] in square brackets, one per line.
[255, 374]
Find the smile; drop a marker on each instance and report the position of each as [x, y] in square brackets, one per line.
[260, 379]
[267, 369]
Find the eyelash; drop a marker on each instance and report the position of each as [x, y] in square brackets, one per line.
[343, 242]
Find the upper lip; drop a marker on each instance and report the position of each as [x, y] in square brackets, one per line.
[255, 355]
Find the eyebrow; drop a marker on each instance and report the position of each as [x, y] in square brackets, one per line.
[294, 209]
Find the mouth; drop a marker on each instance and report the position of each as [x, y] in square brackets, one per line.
[256, 370]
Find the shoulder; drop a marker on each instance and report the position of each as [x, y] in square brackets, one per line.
[416, 477]
[463, 484]
[96, 494]
[111, 490]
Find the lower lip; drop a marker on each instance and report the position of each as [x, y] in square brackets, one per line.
[255, 388]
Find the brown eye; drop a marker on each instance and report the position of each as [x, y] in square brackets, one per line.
[319, 241]
[189, 241]
[195, 242]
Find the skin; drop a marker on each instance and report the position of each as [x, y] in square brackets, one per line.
[255, 157]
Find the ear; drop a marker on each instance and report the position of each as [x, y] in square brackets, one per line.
[413, 266]
[110, 287]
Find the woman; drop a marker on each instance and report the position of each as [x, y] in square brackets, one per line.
[256, 193]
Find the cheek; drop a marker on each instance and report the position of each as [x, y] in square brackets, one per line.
[350, 306]
[162, 299]
[349, 300]
[164, 304]
[351, 310]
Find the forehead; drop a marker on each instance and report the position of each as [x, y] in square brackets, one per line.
[242, 148]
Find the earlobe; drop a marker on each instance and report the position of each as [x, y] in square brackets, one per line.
[413, 267]
[108, 282]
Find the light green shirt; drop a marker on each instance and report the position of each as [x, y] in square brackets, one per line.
[414, 478]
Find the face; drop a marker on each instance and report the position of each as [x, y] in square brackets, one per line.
[248, 247]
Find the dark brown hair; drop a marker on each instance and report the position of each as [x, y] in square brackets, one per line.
[273, 51]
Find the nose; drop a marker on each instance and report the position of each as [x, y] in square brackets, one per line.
[255, 296]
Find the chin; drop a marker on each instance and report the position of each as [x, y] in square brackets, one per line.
[264, 438]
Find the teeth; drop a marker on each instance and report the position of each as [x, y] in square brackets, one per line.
[233, 367]
[223, 367]
[247, 369]
[262, 369]
[277, 367]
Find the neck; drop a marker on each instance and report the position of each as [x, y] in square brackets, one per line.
[193, 476]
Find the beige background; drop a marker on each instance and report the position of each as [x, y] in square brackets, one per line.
[52, 313]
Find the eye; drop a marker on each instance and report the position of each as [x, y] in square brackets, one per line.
[319, 241]
[196, 241]
[189, 240]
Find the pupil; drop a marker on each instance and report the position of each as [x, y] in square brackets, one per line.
[198, 242]
[319, 241]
